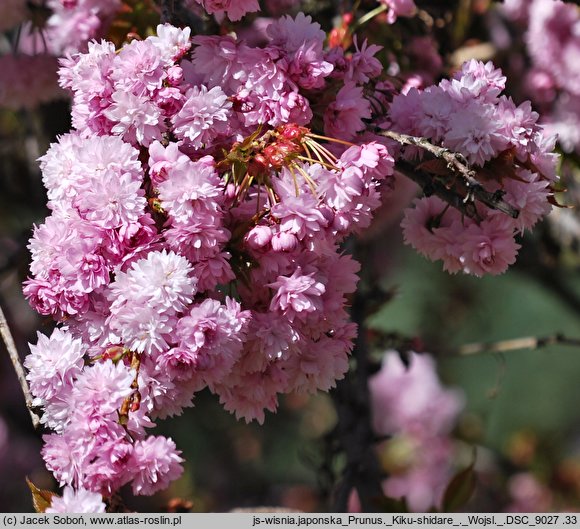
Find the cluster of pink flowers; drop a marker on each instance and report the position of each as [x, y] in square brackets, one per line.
[553, 82]
[509, 152]
[411, 407]
[193, 243]
[74, 22]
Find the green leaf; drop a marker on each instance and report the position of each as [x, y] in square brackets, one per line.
[41, 499]
[386, 504]
[460, 489]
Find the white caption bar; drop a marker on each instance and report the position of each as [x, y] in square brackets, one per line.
[290, 520]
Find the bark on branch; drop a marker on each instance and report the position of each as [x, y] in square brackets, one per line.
[15, 359]
[430, 187]
[354, 429]
[456, 164]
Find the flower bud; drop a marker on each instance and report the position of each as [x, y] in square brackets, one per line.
[259, 236]
[284, 242]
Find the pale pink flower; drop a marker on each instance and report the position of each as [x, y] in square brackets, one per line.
[475, 132]
[219, 60]
[528, 494]
[406, 112]
[155, 462]
[138, 68]
[53, 364]
[529, 195]
[420, 226]
[101, 388]
[476, 80]
[203, 117]
[249, 394]
[410, 406]
[300, 40]
[343, 117]
[319, 364]
[214, 334]
[297, 295]
[214, 271]
[76, 501]
[136, 118]
[198, 240]
[363, 65]
[172, 42]
[299, 215]
[73, 24]
[191, 190]
[489, 247]
[233, 9]
[162, 280]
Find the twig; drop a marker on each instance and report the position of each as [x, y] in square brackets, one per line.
[431, 186]
[354, 430]
[528, 342]
[368, 16]
[457, 163]
[21, 375]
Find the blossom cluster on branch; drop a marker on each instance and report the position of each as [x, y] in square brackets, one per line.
[193, 242]
[198, 216]
[510, 156]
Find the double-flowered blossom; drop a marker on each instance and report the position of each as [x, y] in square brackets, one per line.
[193, 242]
[77, 501]
[509, 153]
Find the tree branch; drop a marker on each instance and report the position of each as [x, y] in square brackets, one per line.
[456, 163]
[528, 342]
[21, 375]
[354, 428]
[430, 187]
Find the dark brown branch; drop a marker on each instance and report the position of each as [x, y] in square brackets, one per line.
[354, 429]
[430, 186]
[457, 164]
[20, 374]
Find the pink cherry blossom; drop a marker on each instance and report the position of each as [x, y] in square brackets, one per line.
[233, 9]
[76, 501]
